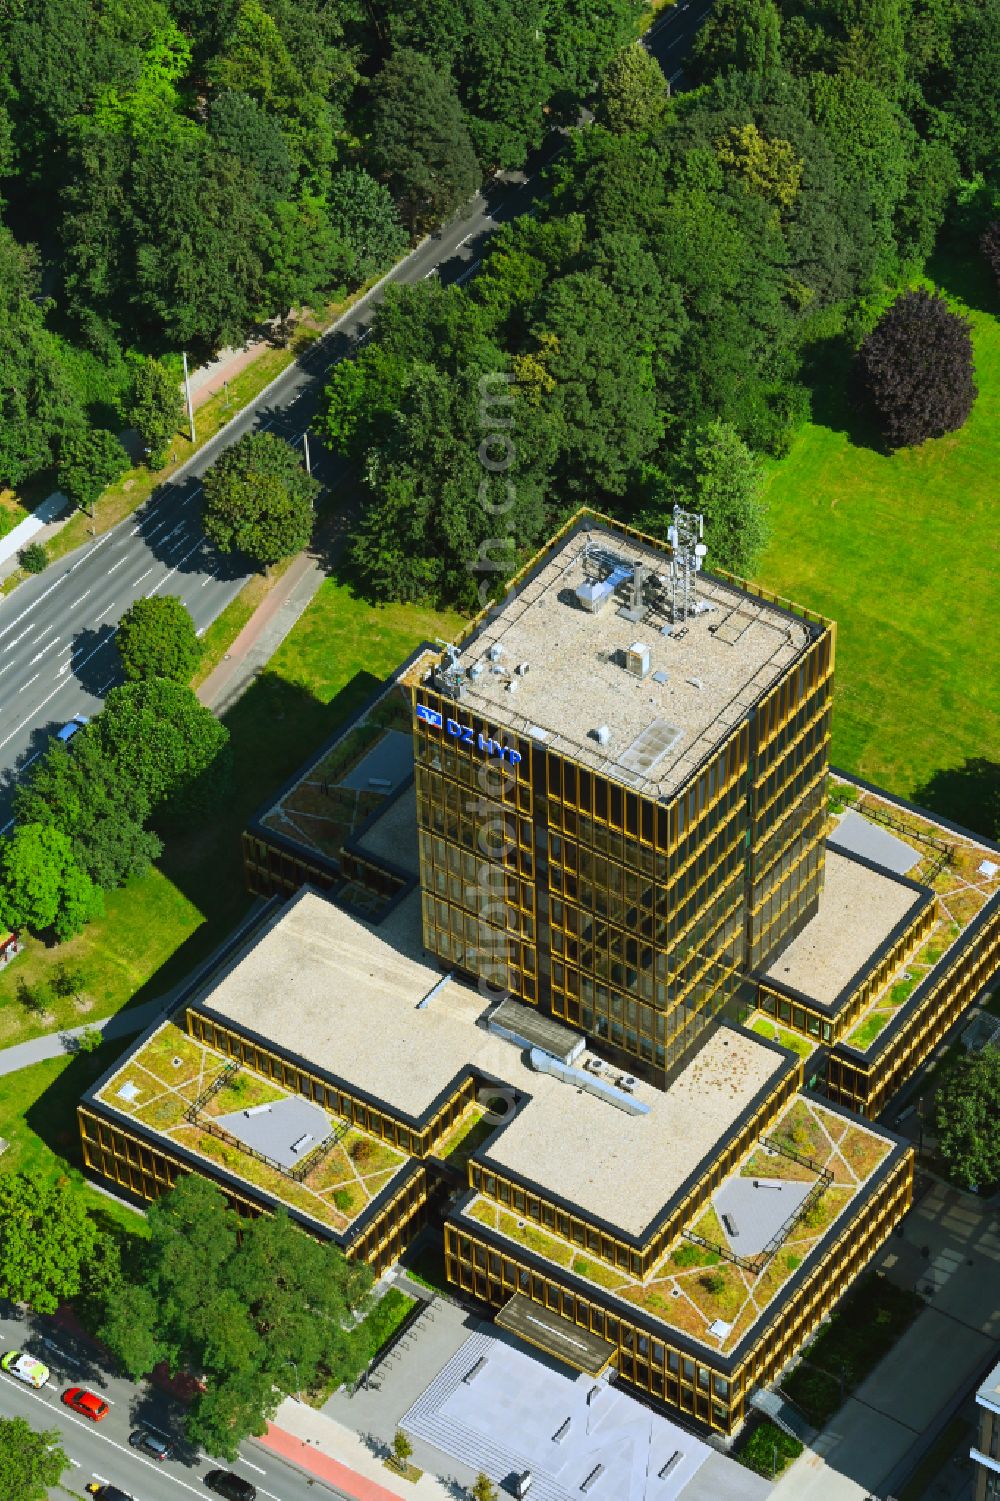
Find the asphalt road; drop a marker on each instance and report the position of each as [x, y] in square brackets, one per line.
[57, 655]
[101, 1451]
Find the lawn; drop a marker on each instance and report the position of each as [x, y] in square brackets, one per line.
[900, 550]
[38, 1123]
[158, 929]
[156, 916]
[765, 1027]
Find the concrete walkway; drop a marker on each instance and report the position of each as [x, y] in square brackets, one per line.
[336, 1454]
[56, 1044]
[262, 634]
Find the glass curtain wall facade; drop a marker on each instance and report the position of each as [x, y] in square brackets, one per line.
[790, 732]
[630, 918]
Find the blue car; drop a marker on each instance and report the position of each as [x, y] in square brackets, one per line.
[69, 730]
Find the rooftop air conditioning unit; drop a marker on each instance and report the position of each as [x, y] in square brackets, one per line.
[637, 659]
[476, 671]
[602, 734]
[496, 651]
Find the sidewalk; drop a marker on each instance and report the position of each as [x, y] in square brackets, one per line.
[55, 1044]
[262, 634]
[324, 1448]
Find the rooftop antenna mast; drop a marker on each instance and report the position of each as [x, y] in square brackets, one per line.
[450, 674]
[685, 537]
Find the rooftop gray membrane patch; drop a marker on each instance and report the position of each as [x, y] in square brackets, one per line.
[857, 836]
[285, 1130]
[384, 767]
[752, 1210]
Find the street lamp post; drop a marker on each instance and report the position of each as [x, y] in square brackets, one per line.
[289, 1361]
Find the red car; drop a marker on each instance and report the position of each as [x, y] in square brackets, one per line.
[88, 1404]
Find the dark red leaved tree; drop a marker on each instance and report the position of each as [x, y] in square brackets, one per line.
[915, 370]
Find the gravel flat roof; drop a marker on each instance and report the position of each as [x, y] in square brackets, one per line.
[700, 683]
[338, 993]
[858, 909]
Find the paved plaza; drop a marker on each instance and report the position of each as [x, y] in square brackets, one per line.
[950, 1251]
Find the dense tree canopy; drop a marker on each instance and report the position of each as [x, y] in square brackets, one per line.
[46, 1238]
[715, 474]
[32, 1462]
[916, 371]
[165, 746]
[43, 884]
[157, 639]
[90, 461]
[966, 1106]
[210, 166]
[253, 1307]
[154, 407]
[259, 499]
[76, 788]
[420, 142]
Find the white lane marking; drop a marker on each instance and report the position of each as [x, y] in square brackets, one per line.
[105, 686]
[79, 601]
[674, 76]
[91, 550]
[175, 568]
[26, 632]
[44, 632]
[466, 274]
[106, 609]
[39, 654]
[252, 1466]
[178, 528]
[466, 240]
[8, 825]
[27, 684]
[270, 1494]
[432, 272]
[57, 689]
[117, 565]
[32, 605]
[101, 1480]
[143, 576]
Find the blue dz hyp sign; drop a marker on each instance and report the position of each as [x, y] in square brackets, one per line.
[467, 735]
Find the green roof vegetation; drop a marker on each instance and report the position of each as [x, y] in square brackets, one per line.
[170, 1070]
[692, 1286]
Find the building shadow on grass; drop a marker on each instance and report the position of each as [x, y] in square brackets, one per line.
[968, 795]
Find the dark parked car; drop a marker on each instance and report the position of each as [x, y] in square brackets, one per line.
[106, 1492]
[225, 1483]
[150, 1443]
